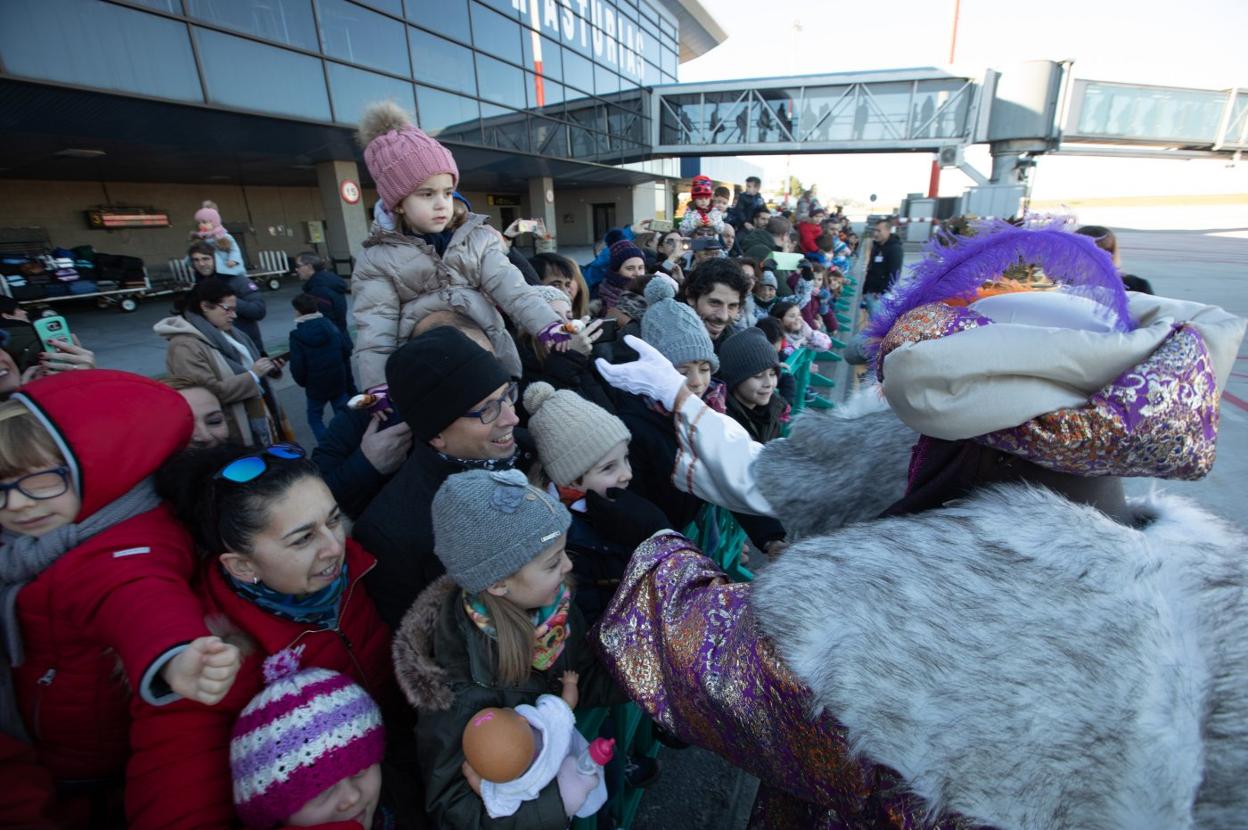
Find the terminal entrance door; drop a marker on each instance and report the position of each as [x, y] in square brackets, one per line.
[604, 218]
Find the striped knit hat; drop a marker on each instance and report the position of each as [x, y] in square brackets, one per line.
[302, 734]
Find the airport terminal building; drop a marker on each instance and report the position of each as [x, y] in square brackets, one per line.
[139, 110]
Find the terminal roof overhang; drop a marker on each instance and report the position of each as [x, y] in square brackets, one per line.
[699, 32]
[158, 141]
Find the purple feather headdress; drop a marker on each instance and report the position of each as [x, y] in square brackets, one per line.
[1069, 260]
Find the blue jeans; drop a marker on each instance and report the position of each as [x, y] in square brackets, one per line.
[316, 409]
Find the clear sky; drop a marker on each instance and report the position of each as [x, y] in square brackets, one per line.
[1198, 43]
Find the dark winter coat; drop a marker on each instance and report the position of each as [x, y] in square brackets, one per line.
[251, 307]
[24, 345]
[320, 358]
[350, 476]
[563, 370]
[445, 666]
[652, 453]
[598, 564]
[95, 623]
[763, 424]
[746, 206]
[757, 238]
[179, 775]
[884, 266]
[330, 291]
[397, 528]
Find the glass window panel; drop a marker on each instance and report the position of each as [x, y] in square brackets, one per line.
[98, 45]
[360, 36]
[551, 54]
[577, 71]
[668, 64]
[652, 75]
[505, 7]
[286, 21]
[544, 94]
[651, 49]
[500, 82]
[438, 61]
[353, 89]
[446, 17]
[606, 82]
[496, 35]
[394, 7]
[504, 128]
[171, 6]
[442, 113]
[1120, 111]
[249, 75]
[549, 138]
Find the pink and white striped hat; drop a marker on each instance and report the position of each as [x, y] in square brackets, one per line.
[302, 734]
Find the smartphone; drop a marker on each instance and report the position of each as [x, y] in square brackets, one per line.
[52, 328]
[610, 331]
[661, 225]
[684, 243]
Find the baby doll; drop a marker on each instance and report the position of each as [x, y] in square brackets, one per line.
[517, 752]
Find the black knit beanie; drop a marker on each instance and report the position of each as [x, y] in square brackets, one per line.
[744, 355]
[438, 376]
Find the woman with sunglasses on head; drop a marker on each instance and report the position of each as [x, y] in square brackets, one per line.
[206, 347]
[275, 572]
[96, 608]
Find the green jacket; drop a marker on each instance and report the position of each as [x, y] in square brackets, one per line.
[757, 238]
[445, 665]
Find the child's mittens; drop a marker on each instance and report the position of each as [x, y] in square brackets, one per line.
[204, 671]
[574, 787]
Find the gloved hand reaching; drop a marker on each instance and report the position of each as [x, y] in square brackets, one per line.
[624, 517]
[652, 374]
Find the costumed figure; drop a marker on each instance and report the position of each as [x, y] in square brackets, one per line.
[700, 213]
[519, 751]
[229, 259]
[973, 603]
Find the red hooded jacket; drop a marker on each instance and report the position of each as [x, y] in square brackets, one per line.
[179, 775]
[808, 233]
[97, 622]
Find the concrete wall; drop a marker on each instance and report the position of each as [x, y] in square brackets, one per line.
[577, 206]
[274, 215]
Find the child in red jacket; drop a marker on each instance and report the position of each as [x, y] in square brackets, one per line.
[94, 571]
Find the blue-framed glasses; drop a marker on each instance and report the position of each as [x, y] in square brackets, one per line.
[45, 484]
[250, 467]
[489, 413]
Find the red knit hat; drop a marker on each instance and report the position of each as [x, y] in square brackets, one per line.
[702, 187]
[398, 155]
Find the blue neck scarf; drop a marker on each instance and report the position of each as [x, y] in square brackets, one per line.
[319, 609]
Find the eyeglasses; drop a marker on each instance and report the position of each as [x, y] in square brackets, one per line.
[489, 413]
[231, 310]
[45, 484]
[250, 467]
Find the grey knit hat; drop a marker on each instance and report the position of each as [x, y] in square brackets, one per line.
[673, 327]
[488, 525]
[769, 278]
[745, 355]
[572, 434]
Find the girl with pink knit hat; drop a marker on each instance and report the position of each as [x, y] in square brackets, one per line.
[422, 265]
[229, 258]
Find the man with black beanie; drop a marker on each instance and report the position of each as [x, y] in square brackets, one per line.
[460, 404]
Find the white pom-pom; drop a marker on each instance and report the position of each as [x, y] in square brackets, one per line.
[536, 395]
[662, 287]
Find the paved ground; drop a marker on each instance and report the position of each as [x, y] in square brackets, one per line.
[698, 791]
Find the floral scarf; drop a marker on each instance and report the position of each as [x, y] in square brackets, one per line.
[550, 626]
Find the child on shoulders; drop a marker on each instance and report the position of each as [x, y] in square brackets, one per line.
[701, 213]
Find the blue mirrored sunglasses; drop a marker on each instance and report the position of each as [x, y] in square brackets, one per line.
[250, 467]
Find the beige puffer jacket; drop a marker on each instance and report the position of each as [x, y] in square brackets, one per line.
[400, 279]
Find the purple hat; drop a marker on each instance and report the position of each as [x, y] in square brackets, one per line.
[622, 252]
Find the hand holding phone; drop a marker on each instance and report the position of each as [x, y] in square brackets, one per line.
[51, 329]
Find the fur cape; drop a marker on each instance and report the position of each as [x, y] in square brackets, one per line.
[850, 464]
[1029, 663]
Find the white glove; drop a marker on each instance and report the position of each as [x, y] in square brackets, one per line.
[652, 374]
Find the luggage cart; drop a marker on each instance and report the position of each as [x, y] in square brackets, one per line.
[30, 243]
[273, 266]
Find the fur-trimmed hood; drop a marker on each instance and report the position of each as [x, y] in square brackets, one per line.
[847, 465]
[422, 680]
[1029, 663]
